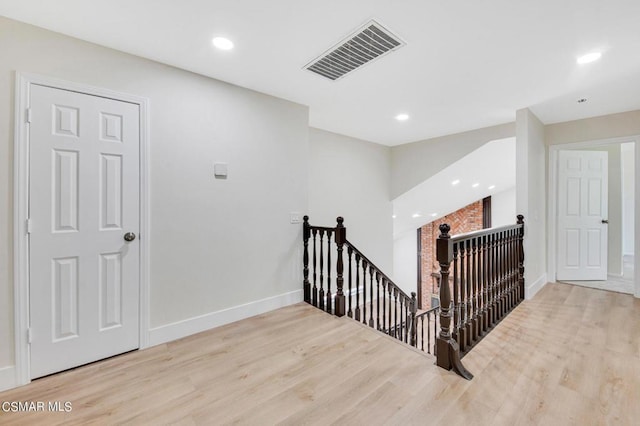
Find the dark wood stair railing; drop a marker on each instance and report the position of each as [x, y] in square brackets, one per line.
[371, 297]
[487, 283]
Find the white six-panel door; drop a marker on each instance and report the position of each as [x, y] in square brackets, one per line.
[83, 198]
[582, 215]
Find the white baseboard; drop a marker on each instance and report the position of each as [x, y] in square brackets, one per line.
[533, 288]
[184, 328]
[7, 378]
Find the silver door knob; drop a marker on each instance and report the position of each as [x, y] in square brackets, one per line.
[129, 236]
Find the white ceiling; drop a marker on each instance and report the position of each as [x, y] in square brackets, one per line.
[466, 65]
[491, 165]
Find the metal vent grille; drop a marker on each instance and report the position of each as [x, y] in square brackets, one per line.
[369, 42]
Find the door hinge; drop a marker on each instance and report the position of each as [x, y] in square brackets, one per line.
[28, 115]
[29, 335]
[29, 225]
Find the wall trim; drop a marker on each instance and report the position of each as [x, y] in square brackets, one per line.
[23, 82]
[7, 378]
[552, 197]
[184, 328]
[532, 289]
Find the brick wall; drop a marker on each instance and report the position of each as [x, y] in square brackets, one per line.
[467, 219]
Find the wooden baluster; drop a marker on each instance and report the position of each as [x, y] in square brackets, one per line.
[469, 282]
[491, 302]
[395, 312]
[494, 279]
[510, 252]
[503, 255]
[402, 321]
[328, 306]
[455, 303]
[422, 333]
[378, 300]
[485, 285]
[516, 290]
[521, 256]
[340, 239]
[357, 287]
[315, 288]
[474, 288]
[502, 280]
[389, 316]
[405, 320]
[412, 322]
[384, 305]
[306, 285]
[321, 292]
[349, 254]
[447, 349]
[480, 281]
[364, 291]
[500, 266]
[371, 270]
[462, 340]
[435, 328]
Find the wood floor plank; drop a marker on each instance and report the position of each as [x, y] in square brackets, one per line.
[569, 356]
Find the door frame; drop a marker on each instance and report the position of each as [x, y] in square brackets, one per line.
[23, 83]
[552, 199]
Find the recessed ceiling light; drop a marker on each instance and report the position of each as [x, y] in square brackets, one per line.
[455, 182]
[589, 57]
[416, 215]
[434, 214]
[492, 186]
[402, 117]
[222, 43]
[582, 100]
[393, 216]
[475, 185]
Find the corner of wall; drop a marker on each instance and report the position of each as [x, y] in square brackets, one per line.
[8, 378]
[532, 289]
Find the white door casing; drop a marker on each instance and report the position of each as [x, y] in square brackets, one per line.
[582, 212]
[84, 196]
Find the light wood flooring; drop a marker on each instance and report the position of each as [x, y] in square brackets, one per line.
[569, 356]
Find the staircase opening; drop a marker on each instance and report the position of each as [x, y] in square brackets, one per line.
[484, 272]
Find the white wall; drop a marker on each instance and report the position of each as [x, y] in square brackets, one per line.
[503, 208]
[350, 178]
[405, 261]
[215, 244]
[413, 163]
[595, 128]
[628, 189]
[531, 196]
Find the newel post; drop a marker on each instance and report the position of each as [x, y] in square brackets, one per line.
[414, 332]
[447, 349]
[340, 238]
[306, 234]
[521, 256]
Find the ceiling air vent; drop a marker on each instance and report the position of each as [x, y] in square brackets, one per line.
[369, 42]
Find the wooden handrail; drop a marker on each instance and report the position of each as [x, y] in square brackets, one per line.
[382, 274]
[385, 306]
[482, 232]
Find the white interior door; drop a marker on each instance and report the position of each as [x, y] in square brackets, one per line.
[582, 215]
[83, 197]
